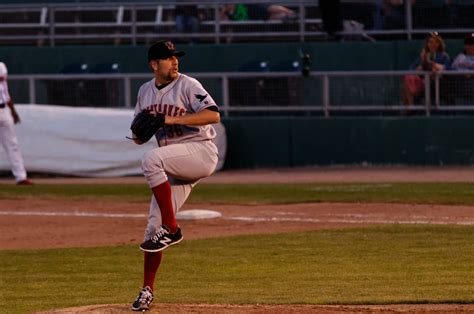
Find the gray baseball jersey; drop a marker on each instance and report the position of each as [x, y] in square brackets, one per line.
[184, 95]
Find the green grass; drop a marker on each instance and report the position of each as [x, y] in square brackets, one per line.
[131, 192]
[375, 265]
[419, 193]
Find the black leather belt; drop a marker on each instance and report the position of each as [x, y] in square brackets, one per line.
[2, 105]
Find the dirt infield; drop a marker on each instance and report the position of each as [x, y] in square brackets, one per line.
[65, 223]
[95, 222]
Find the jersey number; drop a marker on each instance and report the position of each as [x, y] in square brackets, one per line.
[173, 130]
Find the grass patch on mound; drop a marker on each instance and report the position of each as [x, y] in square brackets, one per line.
[373, 265]
[416, 193]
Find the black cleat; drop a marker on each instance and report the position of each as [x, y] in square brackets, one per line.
[161, 240]
[143, 301]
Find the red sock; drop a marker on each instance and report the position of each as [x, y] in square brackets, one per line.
[150, 266]
[162, 195]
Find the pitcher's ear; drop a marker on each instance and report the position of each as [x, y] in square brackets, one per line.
[154, 65]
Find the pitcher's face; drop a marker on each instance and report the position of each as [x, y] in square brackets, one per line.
[165, 70]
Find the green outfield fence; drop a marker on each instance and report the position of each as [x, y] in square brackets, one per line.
[325, 56]
[299, 141]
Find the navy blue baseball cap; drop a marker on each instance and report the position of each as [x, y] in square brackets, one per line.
[163, 49]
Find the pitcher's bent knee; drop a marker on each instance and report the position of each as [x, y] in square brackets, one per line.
[153, 169]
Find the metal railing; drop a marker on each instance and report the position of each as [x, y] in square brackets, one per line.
[325, 93]
[136, 23]
[141, 22]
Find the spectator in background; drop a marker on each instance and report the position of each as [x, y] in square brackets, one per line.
[188, 20]
[390, 14]
[243, 12]
[234, 12]
[433, 58]
[463, 86]
[331, 16]
[465, 60]
[279, 12]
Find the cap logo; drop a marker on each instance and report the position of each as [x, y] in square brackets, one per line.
[170, 45]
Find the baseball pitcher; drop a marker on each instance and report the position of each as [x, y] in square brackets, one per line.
[178, 111]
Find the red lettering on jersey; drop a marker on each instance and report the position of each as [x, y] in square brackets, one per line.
[151, 107]
[167, 109]
[176, 111]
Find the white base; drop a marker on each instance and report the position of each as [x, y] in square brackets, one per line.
[193, 214]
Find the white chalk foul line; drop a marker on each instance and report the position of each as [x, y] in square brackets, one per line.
[71, 214]
[350, 221]
[246, 218]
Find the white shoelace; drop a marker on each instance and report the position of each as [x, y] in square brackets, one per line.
[159, 235]
[145, 296]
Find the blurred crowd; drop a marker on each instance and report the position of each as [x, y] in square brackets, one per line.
[434, 58]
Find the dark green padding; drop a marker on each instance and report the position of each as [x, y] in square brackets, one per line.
[290, 142]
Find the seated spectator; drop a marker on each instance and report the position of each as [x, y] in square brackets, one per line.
[187, 20]
[433, 58]
[331, 16]
[234, 12]
[465, 60]
[390, 14]
[463, 86]
[279, 12]
[243, 12]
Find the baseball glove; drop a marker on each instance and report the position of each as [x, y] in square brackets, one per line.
[146, 124]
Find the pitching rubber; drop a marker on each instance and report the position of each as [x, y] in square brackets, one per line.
[195, 214]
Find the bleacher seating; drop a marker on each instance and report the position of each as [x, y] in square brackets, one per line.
[286, 65]
[271, 47]
[254, 65]
[75, 68]
[106, 67]
[67, 91]
[134, 23]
